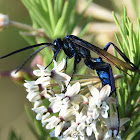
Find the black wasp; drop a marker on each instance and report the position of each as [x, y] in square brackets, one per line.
[78, 48]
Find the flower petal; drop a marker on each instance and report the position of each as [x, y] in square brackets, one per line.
[89, 130]
[40, 110]
[37, 72]
[38, 116]
[123, 121]
[104, 114]
[55, 64]
[77, 99]
[111, 100]
[40, 67]
[95, 114]
[58, 129]
[105, 92]
[37, 103]
[94, 91]
[73, 90]
[60, 76]
[43, 80]
[45, 118]
[60, 66]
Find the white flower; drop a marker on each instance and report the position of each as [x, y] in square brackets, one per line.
[44, 118]
[80, 120]
[31, 86]
[68, 99]
[59, 122]
[77, 127]
[40, 110]
[55, 122]
[37, 103]
[38, 116]
[69, 138]
[56, 102]
[47, 93]
[97, 104]
[67, 114]
[44, 81]
[73, 97]
[42, 72]
[90, 125]
[4, 20]
[100, 132]
[59, 128]
[59, 76]
[71, 132]
[112, 125]
[112, 135]
[52, 122]
[46, 75]
[72, 116]
[33, 91]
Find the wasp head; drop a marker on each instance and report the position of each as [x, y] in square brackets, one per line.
[57, 45]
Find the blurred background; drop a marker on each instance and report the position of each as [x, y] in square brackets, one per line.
[12, 95]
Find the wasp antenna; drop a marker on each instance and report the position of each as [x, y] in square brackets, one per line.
[26, 48]
[29, 57]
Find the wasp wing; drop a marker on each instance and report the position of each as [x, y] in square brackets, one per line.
[105, 55]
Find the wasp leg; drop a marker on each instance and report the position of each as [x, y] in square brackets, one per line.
[103, 70]
[76, 60]
[74, 67]
[66, 63]
[105, 74]
[54, 58]
[121, 53]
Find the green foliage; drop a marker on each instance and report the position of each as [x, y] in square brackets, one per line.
[129, 87]
[57, 18]
[13, 136]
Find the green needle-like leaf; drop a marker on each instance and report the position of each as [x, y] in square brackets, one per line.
[61, 21]
[51, 14]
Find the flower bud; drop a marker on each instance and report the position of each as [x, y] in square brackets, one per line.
[4, 20]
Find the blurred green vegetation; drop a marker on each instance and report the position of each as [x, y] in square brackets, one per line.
[13, 97]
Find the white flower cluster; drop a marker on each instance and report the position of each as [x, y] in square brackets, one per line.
[72, 115]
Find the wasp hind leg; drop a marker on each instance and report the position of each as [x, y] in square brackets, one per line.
[105, 74]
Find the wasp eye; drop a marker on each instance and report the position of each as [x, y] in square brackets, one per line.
[57, 44]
